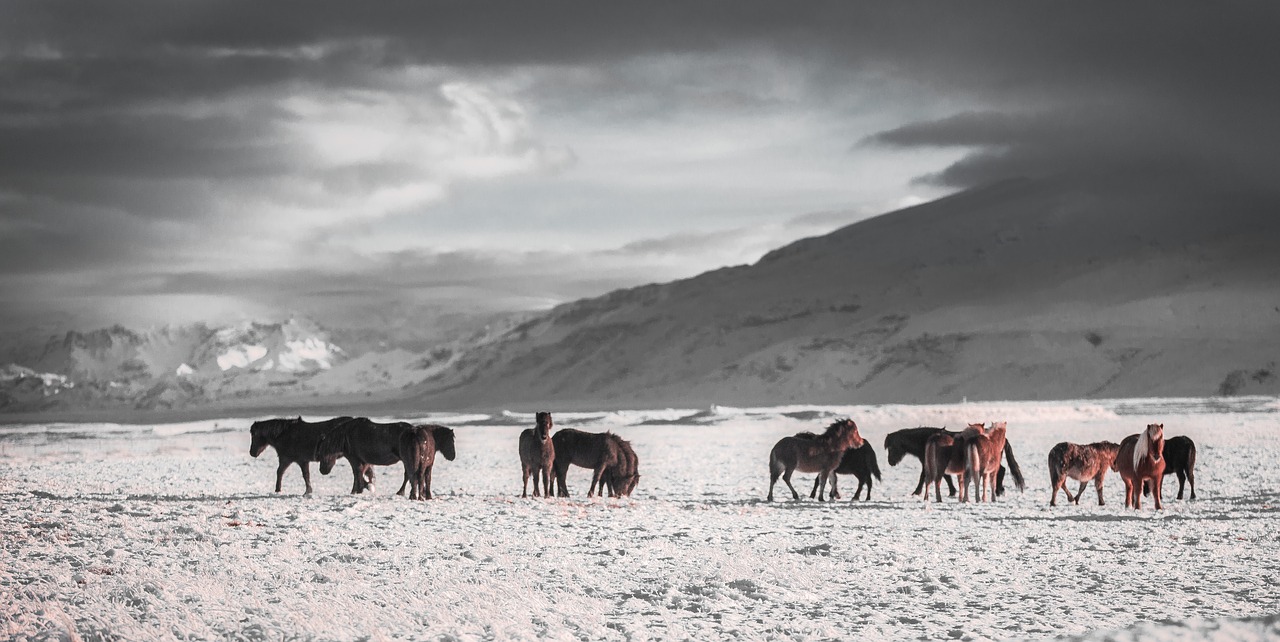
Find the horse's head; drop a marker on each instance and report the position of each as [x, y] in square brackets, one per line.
[264, 433]
[444, 442]
[848, 437]
[998, 426]
[973, 430]
[894, 449]
[1155, 440]
[329, 447]
[543, 429]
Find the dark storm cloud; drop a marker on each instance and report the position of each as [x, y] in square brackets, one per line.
[129, 135]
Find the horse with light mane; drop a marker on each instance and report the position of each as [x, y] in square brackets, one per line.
[1141, 460]
[821, 455]
[1081, 463]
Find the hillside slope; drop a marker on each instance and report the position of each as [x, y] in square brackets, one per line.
[1026, 289]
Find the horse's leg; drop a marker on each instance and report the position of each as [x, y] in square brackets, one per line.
[306, 474]
[426, 482]
[1083, 485]
[786, 477]
[870, 484]
[1182, 481]
[814, 493]
[284, 464]
[950, 486]
[1191, 479]
[408, 475]
[835, 492]
[857, 494]
[546, 480]
[1097, 483]
[367, 469]
[1158, 491]
[595, 479]
[920, 484]
[562, 489]
[524, 489]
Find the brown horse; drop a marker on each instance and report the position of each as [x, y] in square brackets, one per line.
[859, 462]
[600, 452]
[623, 477]
[1180, 459]
[295, 442]
[537, 455]
[982, 458]
[944, 454]
[1141, 459]
[364, 443]
[418, 448]
[912, 441]
[1081, 463]
[821, 455]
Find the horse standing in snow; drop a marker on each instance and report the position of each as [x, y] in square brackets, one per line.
[295, 442]
[1082, 463]
[601, 452]
[912, 441]
[944, 454]
[821, 454]
[1141, 460]
[364, 444]
[537, 455]
[982, 460]
[1179, 458]
[418, 448]
[859, 462]
[623, 477]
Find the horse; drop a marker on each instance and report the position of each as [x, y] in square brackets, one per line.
[1081, 463]
[1180, 458]
[859, 462]
[598, 451]
[365, 444]
[622, 478]
[295, 442]
[982, 458]
[537, 455]
[944, 454]
[912, 441]
[1141, 460]
[418, 448]
[821, 455]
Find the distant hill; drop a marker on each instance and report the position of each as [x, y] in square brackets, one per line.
[1026, 289]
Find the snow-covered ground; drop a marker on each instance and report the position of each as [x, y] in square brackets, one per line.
[143, 532]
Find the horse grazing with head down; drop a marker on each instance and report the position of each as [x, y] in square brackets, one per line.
[418, 448]
[1141, 460]
[912, 441]
[1179, 458]
[1082, 463]
[982, 459]
[537, 455]
[601, 452]
[821, 454]
[364, 444]
[623, 477]
[295, 442]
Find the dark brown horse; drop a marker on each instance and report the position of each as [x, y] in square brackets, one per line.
[1179, 458]
[1082, 463]
[623, 477]
[1140, 460]
[598, 451]
[537, 455]
[859, 462]
[944, 454]
[821, 454]
[418, 448]
[911, 441]
[295, 442]
[365, 444]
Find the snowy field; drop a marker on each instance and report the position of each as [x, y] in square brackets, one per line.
[157, 532]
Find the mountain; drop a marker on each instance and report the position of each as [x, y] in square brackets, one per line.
[1026, 289]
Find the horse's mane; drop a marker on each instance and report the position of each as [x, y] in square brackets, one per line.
[272, 428]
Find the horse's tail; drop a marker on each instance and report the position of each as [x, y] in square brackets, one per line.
[972, 462]
[872, 464]
[1055, 467]
[1015, 468]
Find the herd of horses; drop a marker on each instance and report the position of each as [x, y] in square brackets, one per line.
[973, 455]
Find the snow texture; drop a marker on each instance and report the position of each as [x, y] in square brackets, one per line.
[171, 531]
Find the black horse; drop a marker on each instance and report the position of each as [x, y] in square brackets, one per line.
[1180, 459]
[911, 441]
[601, 452]
[859, 462]
[364, 444]
[295, 442]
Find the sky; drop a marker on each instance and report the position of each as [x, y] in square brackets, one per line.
[167, 162]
